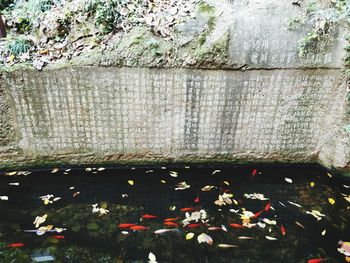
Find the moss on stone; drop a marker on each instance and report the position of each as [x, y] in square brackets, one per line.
[204, 7]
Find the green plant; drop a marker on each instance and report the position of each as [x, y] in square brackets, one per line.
[323, 16]
[106, 14]
[18, 46]
[5, 4]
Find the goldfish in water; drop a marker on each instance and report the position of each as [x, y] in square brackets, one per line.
[171, 219]
[58, 237]
[148, 216]
[16, 245]
[258, 213]
[166, 230]
[139, 228]
[315, 260]
[193, 225]
[172, 224]
[254, 172]
[283, 230]
[127, 225]
[234, 225]
[187, 209]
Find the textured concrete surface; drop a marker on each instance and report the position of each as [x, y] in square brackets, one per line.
[178, 114]
[268, 105]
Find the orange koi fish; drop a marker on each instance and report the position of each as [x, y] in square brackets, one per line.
[193, 225]
[16, 245]
[283, 230]
[316, 260]
[258, 213]
[171, 219]
[172, 224]
[58, 237]
[234, 225]
[148, 216]
[124, 226]
[187, 209]
[254, 172]
[139, 228]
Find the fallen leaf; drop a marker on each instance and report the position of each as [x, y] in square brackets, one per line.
[204, 238]
[288, 180]
[331, 201]
[152, 258]
[189, 235]
[323, 232]
[131, 182]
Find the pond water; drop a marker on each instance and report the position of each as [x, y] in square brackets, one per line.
[174, 214]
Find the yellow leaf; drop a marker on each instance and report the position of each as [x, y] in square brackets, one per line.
[189, 236]
[331, 201]
[227, 183]
[11, 58]
[131, 182]
[312, 184]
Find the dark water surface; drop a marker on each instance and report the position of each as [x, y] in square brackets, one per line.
[128, 194]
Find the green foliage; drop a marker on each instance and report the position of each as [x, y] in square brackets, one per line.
[205, 7]
[5, 4]
[18, 46]
[105, 12]
[27, 14]
[324, 19]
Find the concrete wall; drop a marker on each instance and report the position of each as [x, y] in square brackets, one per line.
[270, 106]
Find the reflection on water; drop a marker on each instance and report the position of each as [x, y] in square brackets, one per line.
[183, 214]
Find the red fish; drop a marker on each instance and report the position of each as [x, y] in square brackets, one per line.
[267, 207]
[234, 225]
[58, 237]
[196, 200]
[283, 230]
[172, 224]
[124, 226]
[148, 216]
[258, 213]
[16, 245]
[316, 260]
[139, 228]
[193, 225]
[171, 219]
[254, 172]
[187, 209]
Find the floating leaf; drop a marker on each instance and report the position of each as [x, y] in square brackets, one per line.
[131, 182]
[331, 201]
[189, 236]
[204, 238]
[323, 232]
[152, 258]
[288, 180]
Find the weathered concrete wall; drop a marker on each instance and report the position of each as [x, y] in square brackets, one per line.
[113, 114]
[269, 106]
